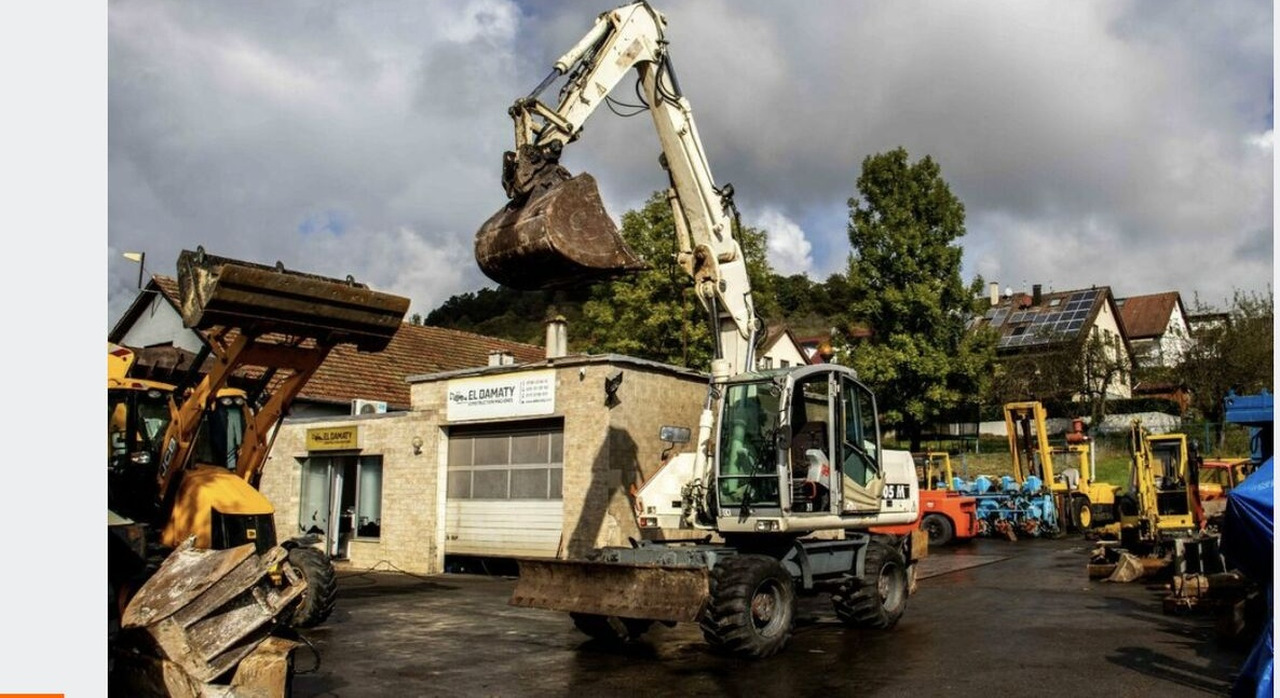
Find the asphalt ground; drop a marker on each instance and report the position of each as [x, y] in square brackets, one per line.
[989, 618]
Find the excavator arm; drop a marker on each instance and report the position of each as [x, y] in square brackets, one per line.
[554, 230]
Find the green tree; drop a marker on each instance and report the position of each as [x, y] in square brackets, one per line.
[1234, 354]
[905, 286]
[655, 314]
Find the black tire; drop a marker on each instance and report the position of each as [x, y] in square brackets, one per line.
[940, 529]
[1081, 514]
[316, 602]
[878, 598]
[752, 608]
[610, 629]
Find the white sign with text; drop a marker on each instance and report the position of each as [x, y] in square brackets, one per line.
[495, 397]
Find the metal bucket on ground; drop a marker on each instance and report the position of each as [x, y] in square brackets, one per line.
[560, 236]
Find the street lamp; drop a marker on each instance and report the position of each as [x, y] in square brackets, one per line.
[140, 258]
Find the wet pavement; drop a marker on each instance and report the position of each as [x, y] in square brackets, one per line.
[989, 618]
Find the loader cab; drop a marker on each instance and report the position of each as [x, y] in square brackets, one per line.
[1169, 471]
[138, 414]
[222, 430]
[802, 441]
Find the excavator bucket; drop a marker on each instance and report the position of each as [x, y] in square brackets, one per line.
[261, 299]
[561, 236]
[206, 611]
[655, 592]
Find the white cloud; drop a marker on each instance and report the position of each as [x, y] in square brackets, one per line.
[1119, 143]
[789, 250]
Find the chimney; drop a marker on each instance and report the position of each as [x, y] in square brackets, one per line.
[1035, 294]
[557, 337]
[498, 357]
[995, 294]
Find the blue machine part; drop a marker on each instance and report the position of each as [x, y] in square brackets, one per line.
[1258, 413]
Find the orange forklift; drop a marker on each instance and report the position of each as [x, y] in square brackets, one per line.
[948, 516]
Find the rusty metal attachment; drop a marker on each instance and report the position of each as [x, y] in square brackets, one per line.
[656, 592]
[202, 625]
[207, 610]
[228, 292]
[558, 236]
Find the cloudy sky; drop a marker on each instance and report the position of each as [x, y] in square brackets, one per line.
[1118, 143]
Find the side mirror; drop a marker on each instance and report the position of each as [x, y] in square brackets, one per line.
[674, 435]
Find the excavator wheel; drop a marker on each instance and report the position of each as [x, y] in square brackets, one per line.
[317, 601]
[939, 528]
[752, 608]
[878, 598]
[610, 629]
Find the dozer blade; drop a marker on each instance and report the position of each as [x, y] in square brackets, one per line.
[560, 237]
[219, 291]
[652, 592]
[207, 610]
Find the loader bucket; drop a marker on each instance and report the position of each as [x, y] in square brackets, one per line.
[559, 237]
[219, 291]
[654, 592]
[207, 610]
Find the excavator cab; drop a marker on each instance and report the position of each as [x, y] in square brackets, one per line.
[556, 234]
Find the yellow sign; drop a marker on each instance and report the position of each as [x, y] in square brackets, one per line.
[333, 438]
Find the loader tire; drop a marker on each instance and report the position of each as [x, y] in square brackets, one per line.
[752, 608]
[878, 598]
[316, 602]
[939, 528]
[610, 629]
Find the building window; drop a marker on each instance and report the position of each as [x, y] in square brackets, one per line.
[506, 465]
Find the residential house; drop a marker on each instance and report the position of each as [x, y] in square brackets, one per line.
[1157, 326]
[1040, 329]
[1159, 330]
[781, 349]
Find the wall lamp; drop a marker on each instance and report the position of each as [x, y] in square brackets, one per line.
[417, 445]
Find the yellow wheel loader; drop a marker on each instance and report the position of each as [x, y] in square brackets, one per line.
[193, 556]
[779, 456]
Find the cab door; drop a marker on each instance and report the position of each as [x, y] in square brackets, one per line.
[861, 472]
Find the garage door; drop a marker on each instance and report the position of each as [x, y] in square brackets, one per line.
[504, 492]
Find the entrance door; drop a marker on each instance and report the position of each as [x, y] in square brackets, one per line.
[341, 500]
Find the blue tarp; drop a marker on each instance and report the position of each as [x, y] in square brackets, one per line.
[1248, 532]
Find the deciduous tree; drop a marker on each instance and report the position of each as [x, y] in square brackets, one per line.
[904, 278]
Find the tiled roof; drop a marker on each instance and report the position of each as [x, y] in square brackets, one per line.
[1147, 316]
[1058, 318]
[347, 374]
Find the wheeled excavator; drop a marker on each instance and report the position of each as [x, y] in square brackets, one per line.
[779, 455]
[193, 556]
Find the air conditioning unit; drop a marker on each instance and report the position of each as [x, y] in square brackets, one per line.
[359, 406]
